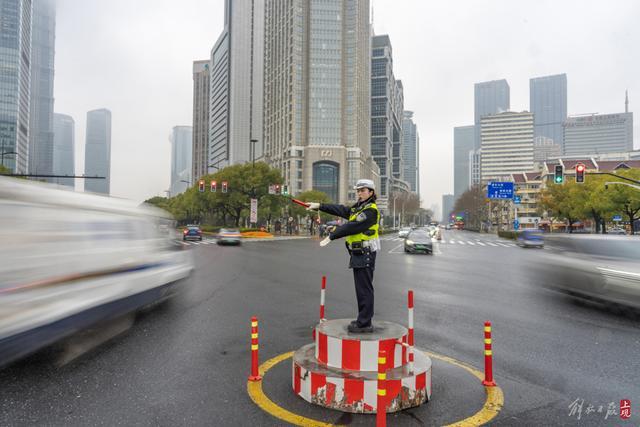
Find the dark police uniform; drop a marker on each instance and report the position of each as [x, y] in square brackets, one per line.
[362, 242]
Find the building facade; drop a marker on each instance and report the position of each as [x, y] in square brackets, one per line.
[475, 167]
[598, 133]
[387, 100]
[507, 144]
[236, 82]
[97, 151]
[489, 98]
[41, 139]
[15, 83]
[181, 159]
[200, 143]
[64, 146]
[447, 206]
[411, 152]
[317, 95]
[548, 103]
[463, 144]
[545, 148]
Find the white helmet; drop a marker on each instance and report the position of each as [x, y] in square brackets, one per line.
[365, 183]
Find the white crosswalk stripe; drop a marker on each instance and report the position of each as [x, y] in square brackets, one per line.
[480, 243]
[471, 243]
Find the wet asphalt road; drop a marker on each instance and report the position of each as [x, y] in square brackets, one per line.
[186, 361]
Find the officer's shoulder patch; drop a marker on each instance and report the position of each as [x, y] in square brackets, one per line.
[361, 217]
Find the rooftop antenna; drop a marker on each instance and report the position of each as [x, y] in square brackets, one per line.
[626, 101]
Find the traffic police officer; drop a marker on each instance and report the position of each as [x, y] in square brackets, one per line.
[362, 241]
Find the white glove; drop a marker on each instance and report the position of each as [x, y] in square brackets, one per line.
[313, 206]
[326, 241]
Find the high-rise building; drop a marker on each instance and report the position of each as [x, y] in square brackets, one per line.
[236, 82]
[200, 143]
[475, 164]
[598, 133]
[463, 144]
[548, 103]
[181, 144]
[447, 206]
[64, 145]
[15, 82]
[41, 108]
[97, 151]
[490, 98]
[545, 148]
[507, 144]
[411, 152]
[386, 117]
[317, 95]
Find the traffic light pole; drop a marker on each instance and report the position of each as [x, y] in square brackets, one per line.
[614, 175]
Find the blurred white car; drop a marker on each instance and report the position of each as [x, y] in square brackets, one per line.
[404, 232]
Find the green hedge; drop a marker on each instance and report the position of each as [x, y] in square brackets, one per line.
[508, 234]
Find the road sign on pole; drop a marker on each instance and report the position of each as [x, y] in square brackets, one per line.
[516, 200]
[254, 211]
[500, 190]
[516, 224]
[617, 217]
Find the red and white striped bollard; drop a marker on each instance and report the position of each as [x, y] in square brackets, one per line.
[410, 324]
[488, 357]
[381, 405]
[322, 290]
[255, 375]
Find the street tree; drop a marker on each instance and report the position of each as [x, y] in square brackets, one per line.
[624, 198]
[474, 204]
[310, 196]
[564, 202]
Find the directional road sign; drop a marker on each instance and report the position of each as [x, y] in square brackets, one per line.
[617, 217]
[499, 190]
[516, 200]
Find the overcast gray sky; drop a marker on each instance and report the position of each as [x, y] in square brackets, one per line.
[135, 58]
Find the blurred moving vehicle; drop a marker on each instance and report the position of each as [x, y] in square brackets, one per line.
[418, 241]
[404, 232]
[605, 268]
[530, 239]
[617, 230]
[229, 236]
[71, 260]
[192, 232]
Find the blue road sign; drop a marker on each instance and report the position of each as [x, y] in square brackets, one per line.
[617, 217]
[500, 190]
[516, 200]
[516, 224]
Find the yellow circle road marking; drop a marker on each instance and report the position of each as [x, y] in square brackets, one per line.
[492, 405]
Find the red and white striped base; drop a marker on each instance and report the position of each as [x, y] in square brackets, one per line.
[330, 377]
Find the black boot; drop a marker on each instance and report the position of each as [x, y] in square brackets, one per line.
[356, 329]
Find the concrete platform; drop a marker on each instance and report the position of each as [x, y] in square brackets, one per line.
[338, 348]
[356, 391]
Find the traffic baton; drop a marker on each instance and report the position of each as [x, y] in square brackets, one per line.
[255, 376]
[324, 286]
[410, 324]
[381, 410]
[301, 203]
[488, 357]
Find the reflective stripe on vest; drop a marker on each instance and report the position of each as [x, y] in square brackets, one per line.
[361, 237]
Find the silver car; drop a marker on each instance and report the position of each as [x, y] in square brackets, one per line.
[404, 232]
[605, 268]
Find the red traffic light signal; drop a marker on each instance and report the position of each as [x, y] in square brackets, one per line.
[224, 186]
[201, 186]
[277, 188]
[580, 169]
[214, 186]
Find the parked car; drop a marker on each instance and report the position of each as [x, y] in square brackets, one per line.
[192, 232]
[617, 230]
[404, 232]
[418, 241]
[530, 239]
[229, 236]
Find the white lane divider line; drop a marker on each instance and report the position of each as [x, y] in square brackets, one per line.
[392, 250]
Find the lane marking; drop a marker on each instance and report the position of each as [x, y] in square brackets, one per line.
[491, 244]
[461, 242]
[481, 244]
[391, 251]
[491, 408]
[471, 243]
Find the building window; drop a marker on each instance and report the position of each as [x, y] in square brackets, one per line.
[326, 178]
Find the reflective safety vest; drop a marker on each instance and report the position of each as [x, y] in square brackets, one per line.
[370, 237]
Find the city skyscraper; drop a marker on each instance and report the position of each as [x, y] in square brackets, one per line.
[200, 143]
[317, 95]
[15, 82]
[181, 144]
[597, 134]
[490, 98]
[411, 151]
[507, 144]
[41, 100]
[548, 103]
[97, 152]
[386, 118]
[447, 206]
[237, 77]
[64, 145]
[463, 143]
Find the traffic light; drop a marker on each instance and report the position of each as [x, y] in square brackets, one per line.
[559, 175]
[277, 188]
[580, 168]
[201, 186]
[214, 186]
[285, 190]
[224, 186]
